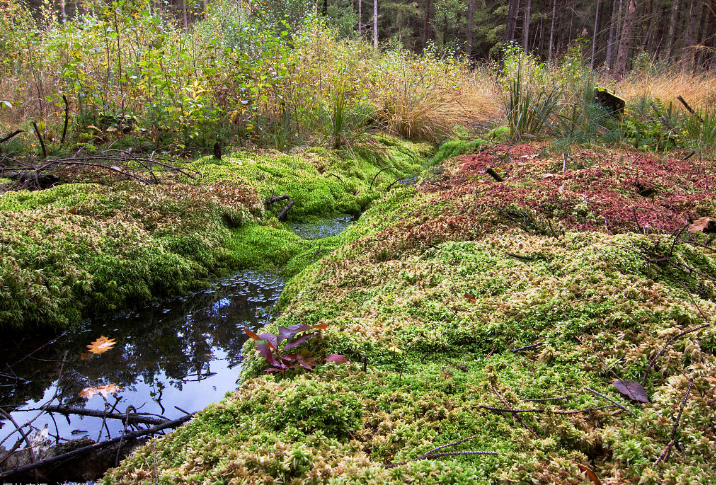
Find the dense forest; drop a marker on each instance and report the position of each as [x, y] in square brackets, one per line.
[615, 34]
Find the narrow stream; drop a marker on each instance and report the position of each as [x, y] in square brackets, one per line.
[184, 352]
[170, 357]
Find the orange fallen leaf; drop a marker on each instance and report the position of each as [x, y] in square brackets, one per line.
[88, 392]
[590, 473]
[470, 297]
[101, 345]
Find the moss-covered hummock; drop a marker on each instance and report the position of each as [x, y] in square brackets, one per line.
[81, 249]
[429, 294]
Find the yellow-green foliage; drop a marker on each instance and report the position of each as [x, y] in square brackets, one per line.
[434, 325]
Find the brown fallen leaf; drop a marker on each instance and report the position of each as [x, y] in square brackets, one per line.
[101, 345]
[590, 473]
[88, 392]
[703, 224]
[470, 297]
[632, 390]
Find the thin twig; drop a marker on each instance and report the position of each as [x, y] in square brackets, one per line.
[568, 396]
[376, 175]
[667, 450]
[515, 415]
[610, 400]
[651, 364]
[539, 410]
[514, 351]
[10, 136]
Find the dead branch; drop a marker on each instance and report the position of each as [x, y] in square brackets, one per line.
[39, 137]
[568, 396]
[515, 415]
[688, 108]
[430, 455]
[665, 454]
[273, 200]
[540, 410]
[17, 444]
[130, 417]
[67, 119]
[610, 400]
[96, 446]
[494, 175]
[10, 136]
[520, 256]
[514, 351]
[282, 215]
[376, 176]
[651, 363]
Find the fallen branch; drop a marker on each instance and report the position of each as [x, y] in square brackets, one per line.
[514, 351]
[610, 400]
[96, 446]
[494, 175]
[282, 215]
[651, 363]
[273, 200]
[39, 137]
[430, 455]
[540, 410]
[515, 415]
[665, 454]
[688, 108]
[376, 175]
[520, 256]
[568, 396]
[10, 136]
[132, 418]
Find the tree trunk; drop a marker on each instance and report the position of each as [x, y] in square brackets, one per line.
[512, 12]
[610, 38]
[428, 23]
[375, 24]
[360, 18]
[594, 36]
[625, 40]
[672, 30]
[551, 30]
[470, 28]
[687, 52]
[526, 29]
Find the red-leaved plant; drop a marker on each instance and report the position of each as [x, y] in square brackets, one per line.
[279, 359]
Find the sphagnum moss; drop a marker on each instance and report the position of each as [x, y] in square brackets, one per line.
[77, 250]
[431, 290]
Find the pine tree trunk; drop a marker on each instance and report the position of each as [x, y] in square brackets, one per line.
[360, 18]
[512, 12]
[687, 53]
[625, 40]
[426, 23]
[551, 30]
[470, 28]
[526, 29]
[672, 30]
[610, 38]
[594, 36]
[375, 24]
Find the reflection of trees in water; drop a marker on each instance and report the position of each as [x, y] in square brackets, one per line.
[176, 338]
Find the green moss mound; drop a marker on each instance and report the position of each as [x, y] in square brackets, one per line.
[448, 323]
[83, 249]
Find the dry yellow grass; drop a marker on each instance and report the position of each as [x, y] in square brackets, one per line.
[699, 90]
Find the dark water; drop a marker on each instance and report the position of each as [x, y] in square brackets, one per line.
[325, 228]
[184, 352]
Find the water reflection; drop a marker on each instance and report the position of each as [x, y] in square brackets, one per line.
[183, 353]
[325, 228]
